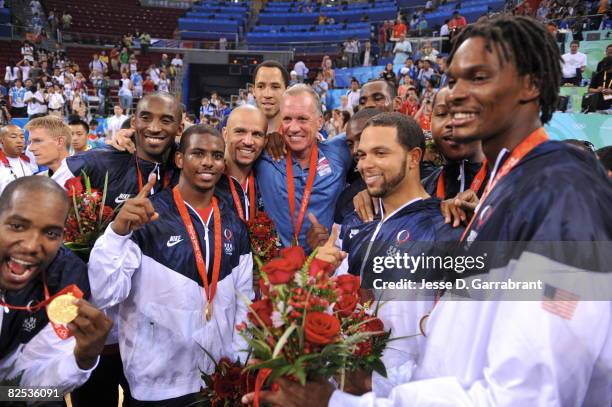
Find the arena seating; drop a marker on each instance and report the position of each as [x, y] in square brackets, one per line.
[117, 17]
[212, 20]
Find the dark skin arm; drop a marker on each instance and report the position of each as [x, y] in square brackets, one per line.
[90, 329]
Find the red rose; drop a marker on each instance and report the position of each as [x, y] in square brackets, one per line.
[347, 284]
[263, 309]
[295, 255]
[107, 212]
[223, 387]
[74, 186]
[375, 325]
[317, 266]
[346, 304]
[279, 271]
[364, 348]
[320, 328]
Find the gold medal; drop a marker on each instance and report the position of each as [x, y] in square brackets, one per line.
[208, 311]
[61, 310]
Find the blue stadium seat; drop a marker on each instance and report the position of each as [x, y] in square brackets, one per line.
[290, 37]
[378, 14]
[191, 24]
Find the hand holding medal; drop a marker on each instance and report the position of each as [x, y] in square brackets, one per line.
[137, 211]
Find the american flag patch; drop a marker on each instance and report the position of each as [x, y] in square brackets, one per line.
[559, 302]
[323, 167]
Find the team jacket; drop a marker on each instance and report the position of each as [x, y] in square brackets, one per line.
[152, 275]
[458, 177]
[31, 354]
[524, 353]
[224, 193]
[122, 172]
[417, 228]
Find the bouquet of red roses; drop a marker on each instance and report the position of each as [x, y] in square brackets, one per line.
[227, 384]
[87, 217]
[264, 239]
[310, 325]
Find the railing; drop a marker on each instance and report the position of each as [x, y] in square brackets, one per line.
[179, 4]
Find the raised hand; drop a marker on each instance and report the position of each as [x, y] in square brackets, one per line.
[329, 252]
[136, 212]
[123, 140]
[365, 206]
[90, 329]
[317, 234]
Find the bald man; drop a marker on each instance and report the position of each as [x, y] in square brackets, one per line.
[13, 162]
[245, 138]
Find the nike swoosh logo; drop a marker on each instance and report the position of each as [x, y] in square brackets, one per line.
[174, 243]
[122, 198]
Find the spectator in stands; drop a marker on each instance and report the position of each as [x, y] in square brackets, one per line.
[293, 79]
[215, 101]
[12, 73]
[207, 109]
[542, 12]
[409, 72]
[382, 38]
[27, 51]
[422, 25]
[148, 86]
[410, 103]
[414, 22]
[104, 58]
[56, 101]
[79, 141]
[3, 89]
[354, 93]
[428, 92]
[97, 65]
[320, 86]
[114, 59]
[137, 82]
[154, 72]
[367, 56]
[601, 84]
[423, 116]
[5, 115]
[329, 75]
[114, 123]
[24, 67]
[17, 100]
[402, 50]
[164, 62]
[124, 60]
[133, 62]
[351, 52]
[574, 63]
[456, 22]
[398, 29]
[36, 101]
[53, 23]
[78, 105]
[177, 62]
[301, 70]
[345, 105]
[425, 74]
[339, 119]
[427, 52]
[164, 83]
[66, 20]
[126, 96]
[145, 42]
[388, 74]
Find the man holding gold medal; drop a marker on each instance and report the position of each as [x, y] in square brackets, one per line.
[179, 266]
[42, 282]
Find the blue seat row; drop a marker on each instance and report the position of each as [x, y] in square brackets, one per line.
[212, 9]
[274, 7]
[285, 37]
[222, 16]
[309, 18]
[190, 24]
[205, 36]
[307, 27]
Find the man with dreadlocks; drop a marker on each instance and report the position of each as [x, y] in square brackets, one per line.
[504, 76]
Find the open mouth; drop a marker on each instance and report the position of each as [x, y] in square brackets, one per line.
[155, 141]
[462, 118]
[18, 271]
[246, 151]
[207, 176]
[372, 179]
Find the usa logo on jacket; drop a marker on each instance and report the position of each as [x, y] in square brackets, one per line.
[228, 246]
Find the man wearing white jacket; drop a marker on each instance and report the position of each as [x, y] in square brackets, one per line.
[179, 265]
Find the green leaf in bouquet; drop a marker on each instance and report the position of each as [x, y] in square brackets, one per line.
[261, 348]
[103, 199]
[283, 340]
[280, 372]
[258, 262]
[268, 364]
[87, 182]
[379, 367]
